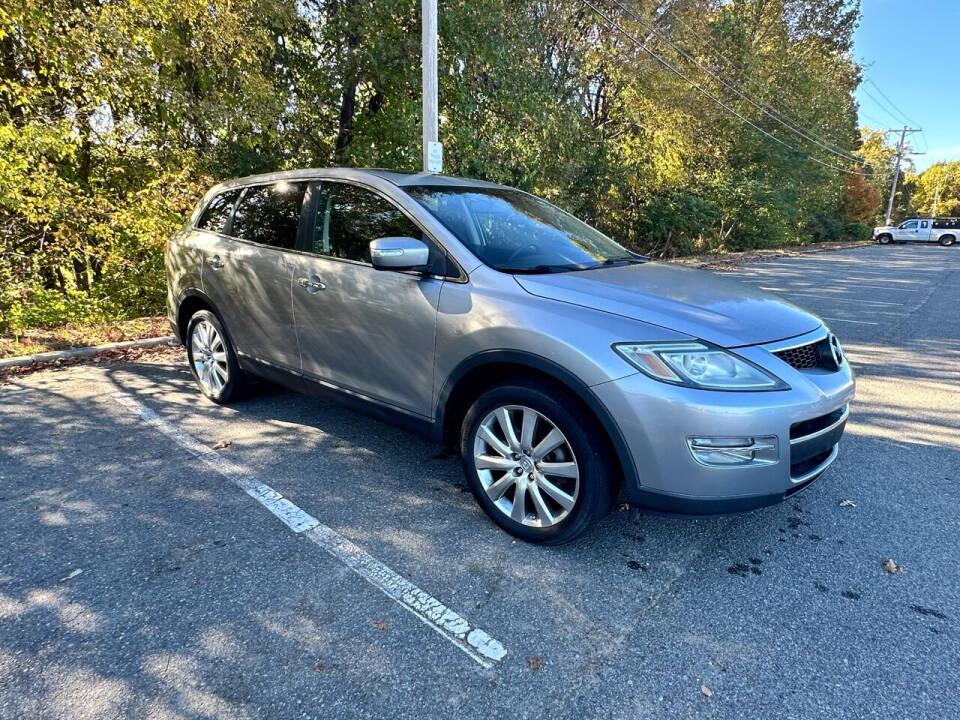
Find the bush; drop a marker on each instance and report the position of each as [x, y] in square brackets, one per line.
[856, 231]
[37, 307]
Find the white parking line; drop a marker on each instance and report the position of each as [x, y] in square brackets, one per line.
[858, 322]
[451, 625]
[825, 295]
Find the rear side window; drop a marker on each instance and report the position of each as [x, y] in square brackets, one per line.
[270, 214]
[350, 217]
[217, 213]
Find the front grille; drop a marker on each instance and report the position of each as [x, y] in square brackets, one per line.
[806, 357]
[800, 469]
[809, 427]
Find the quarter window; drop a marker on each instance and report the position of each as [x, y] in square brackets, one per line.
[270, 214]
[217, 214]
[350, 217]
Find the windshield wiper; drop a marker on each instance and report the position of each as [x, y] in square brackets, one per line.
[539, 269]
[622, 260]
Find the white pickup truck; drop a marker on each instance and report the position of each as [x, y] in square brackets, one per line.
[943, 230]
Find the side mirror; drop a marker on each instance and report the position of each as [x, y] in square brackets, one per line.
[399, 253]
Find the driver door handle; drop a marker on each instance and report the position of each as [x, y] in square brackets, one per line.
[311, 284]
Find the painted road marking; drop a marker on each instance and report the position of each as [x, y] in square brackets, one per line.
[451, 625]
[858, 322]
[825, 295]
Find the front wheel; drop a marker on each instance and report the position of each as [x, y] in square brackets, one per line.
[537, 462]
[211, 357]
[884, 239]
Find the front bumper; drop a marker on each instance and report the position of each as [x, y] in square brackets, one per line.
[658, 420]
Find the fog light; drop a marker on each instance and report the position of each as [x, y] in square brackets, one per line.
[734, 451]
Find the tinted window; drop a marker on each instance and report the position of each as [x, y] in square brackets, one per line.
[217, 213]
[516, 232]
[270, 214]
[923, 223]
[351, 217]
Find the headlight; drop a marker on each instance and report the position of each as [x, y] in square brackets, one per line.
[696, 364]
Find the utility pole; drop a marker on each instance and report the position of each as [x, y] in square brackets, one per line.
[896, 172]
[432, 150]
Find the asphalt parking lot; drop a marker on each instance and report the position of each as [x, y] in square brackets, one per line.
[377, 588]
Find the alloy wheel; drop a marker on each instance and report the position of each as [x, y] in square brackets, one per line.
[209, 357]
[526, 466]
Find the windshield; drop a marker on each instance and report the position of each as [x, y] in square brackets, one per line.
[512, 231]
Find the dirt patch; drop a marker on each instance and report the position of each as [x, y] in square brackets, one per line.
[157, 353]
[65, 337]
[732, 261]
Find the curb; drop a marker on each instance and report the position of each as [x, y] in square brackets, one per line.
[83, 352]
[746, 257]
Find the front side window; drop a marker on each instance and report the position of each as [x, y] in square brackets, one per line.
[912, 225]
[217, 213]
[512, 231]
[270, 214]
[350, 217]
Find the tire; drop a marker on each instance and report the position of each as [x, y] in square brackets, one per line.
[212, 359]
[947, 240]
[556, 506]
[884, 239]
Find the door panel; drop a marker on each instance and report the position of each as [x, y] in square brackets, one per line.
[258, 280]
[907, 233]
[369, 331]
[252, 274]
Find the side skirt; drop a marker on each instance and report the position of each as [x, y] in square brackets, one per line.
[328, 391]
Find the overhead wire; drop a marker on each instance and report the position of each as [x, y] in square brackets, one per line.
[744, 75]
[679, 73]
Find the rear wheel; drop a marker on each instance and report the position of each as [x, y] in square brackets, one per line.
[947, 240]
[537, 466]
[884, 239]
[212, 360]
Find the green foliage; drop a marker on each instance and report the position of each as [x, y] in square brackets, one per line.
[115, 117]
[856, 231]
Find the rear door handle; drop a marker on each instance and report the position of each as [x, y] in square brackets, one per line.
[215, 262]
[311, 284]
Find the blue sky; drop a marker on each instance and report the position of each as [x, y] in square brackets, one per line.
[911, 49]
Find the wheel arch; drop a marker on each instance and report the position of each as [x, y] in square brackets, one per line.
[190, 301]
[486, 369]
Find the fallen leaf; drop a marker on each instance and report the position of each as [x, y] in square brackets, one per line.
[891, 566]
[493, 683]
[380, 625]
[222, 444]
[71, 574]
[535, 663]
[319, 667]
[706, 691]
[847, 503]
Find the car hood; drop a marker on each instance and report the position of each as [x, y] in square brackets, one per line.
[688, 300]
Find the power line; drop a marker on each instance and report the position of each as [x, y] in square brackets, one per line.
[796, 129]
[744, 75]
[903, 115]
[881, 106]
[714, 98]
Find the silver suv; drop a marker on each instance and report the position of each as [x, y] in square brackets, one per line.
[564, 367]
